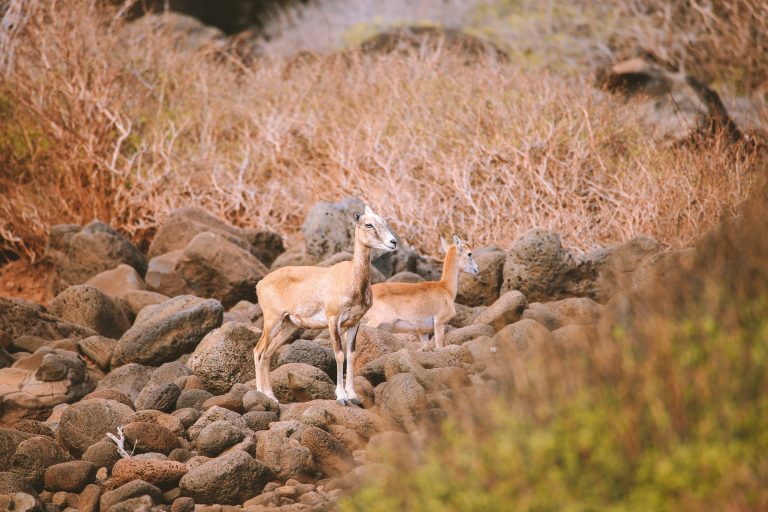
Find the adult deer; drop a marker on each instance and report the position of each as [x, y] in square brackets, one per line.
[336, 297]
[422, 307]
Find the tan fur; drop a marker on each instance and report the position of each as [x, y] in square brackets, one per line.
[422, 307]
[335, 297]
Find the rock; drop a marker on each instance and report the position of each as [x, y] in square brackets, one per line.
[406, 277]
[168, 421]
[259, 420]
[254, 400]
[330, 455]
[227, 401]
[361, 421]
[244, 312]
[299, 382]
[135, 301]
[78, 255]
[328, 227]
[29, 344]
[145, 437]
[402, 399]
[451, 377]
[482, 289]
[373, 343]
[11, 484]
[211, 415]
[129, 379]
[60, 364]
[673, 106]
[118, 281]
[162, 398]
[183, 504]
[140, 504]
[218, 436]
[522, 335]
[70, 476]
[9, 440]
[111, 394]
[86, 423]
[187, 416]
[294, 257]
[574, 338]
[311, 353]
[162, 473]
[24, 395]
[465, 315]
[229, 479]
[506, 310]
[616, 265]
[33, 456]
[165, 375]
[21, 318]
[34, 427]
[573, 311]
[19, 501]
[164, 332]
[98, 349]
[102, 454]
[225, 357]
[464, 334]
[183, 224]
[193, 398]
[540, 268]
[132, 489]
[88, 501]
[284, 456]
[209, 266]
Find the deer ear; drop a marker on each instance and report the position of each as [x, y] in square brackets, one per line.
[443, 245]
[368, 211]
[457, 241]
[357, 217]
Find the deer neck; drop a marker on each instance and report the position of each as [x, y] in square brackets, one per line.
[450, 278]
[361, 266]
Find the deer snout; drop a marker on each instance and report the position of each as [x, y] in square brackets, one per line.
[392, 243]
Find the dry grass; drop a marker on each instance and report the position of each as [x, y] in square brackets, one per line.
[95, 125]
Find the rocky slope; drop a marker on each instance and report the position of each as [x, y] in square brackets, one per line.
[133, 390]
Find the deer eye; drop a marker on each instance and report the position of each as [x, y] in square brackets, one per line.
[470, 255]
[369, 226]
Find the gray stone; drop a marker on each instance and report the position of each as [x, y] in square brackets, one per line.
[506, 310]
[330, 455]
[33, 456]
[482, 289]
[102, 454]
[85, 423]
[98, 349]
[402, 399]
[85, 305]
[329, 227]
[259, 420]
[217, 437]
[132, 489]
[165, 331]
[129, 379]
[118, 281]
[161, 391]
[20, 318]
[311, 353]
[299, 382]
[193, 398]
[211, 415]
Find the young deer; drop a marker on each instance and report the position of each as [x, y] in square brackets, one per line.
[336, 297]
[422, 307]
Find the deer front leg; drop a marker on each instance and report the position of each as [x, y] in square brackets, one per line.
[351, 335]
[338, 350]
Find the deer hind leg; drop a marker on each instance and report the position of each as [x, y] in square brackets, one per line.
[276, 336]
[351, 335]
[439, 335]
[338, 350]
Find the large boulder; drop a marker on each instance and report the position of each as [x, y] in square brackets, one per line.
[9, 440]
[616, 266]
[362, 421]
[79, 254]
[133, 489]
[183, 224]
[149, 437]
[299, 382]
[85, 305]
[209, 266]
[162, 473]
[229, 479]
[21, 318]
[218, 436]
[11, 484]
[283, 454]
[540, 267]
[164, 332]
[212, 415]
[573, 311]
[85, 423]
[482, 289]
[70, 476]
[98, 349]
[373, 343]
[329, 227]
[225, 357]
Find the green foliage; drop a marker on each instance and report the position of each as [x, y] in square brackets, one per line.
[682, 425]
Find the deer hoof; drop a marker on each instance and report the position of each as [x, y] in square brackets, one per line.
[355, 402]
[342, 401]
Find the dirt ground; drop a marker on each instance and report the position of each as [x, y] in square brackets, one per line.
[28, 281]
